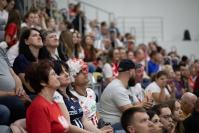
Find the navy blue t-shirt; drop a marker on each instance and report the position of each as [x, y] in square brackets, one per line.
[21, 63]
[75, 111]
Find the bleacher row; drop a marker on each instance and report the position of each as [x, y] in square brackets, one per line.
[58, 74]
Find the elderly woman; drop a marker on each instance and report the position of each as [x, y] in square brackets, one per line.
[79, 122]
[86, 96]
[44, 115]
[51, 43]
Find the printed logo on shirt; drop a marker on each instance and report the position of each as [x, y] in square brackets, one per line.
[73, 112]
[72, 107]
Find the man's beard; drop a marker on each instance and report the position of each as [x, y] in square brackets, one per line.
[131, 81]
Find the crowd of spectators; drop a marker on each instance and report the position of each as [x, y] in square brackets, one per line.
[61, 74]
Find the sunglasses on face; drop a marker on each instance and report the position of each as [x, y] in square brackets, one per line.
[85, 69]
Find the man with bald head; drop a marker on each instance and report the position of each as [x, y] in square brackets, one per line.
[191, 124]
[188, 101]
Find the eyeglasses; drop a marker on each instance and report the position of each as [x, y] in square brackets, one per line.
[52, 36]
[85, 69]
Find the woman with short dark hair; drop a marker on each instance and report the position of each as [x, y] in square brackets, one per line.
[44, 115]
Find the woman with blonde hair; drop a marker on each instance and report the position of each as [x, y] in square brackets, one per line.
[78, 49]
[65, 48]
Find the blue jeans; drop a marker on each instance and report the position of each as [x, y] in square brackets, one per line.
[117, 127]
[16, 107]
[5, 129]
[4, 115]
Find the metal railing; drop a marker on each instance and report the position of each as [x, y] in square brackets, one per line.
[27, 5]
[93, 12]
[143, 28]
[88, 7]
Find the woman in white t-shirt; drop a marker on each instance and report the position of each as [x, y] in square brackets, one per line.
[158, 88]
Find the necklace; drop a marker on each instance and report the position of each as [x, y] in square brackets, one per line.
[81, 92]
